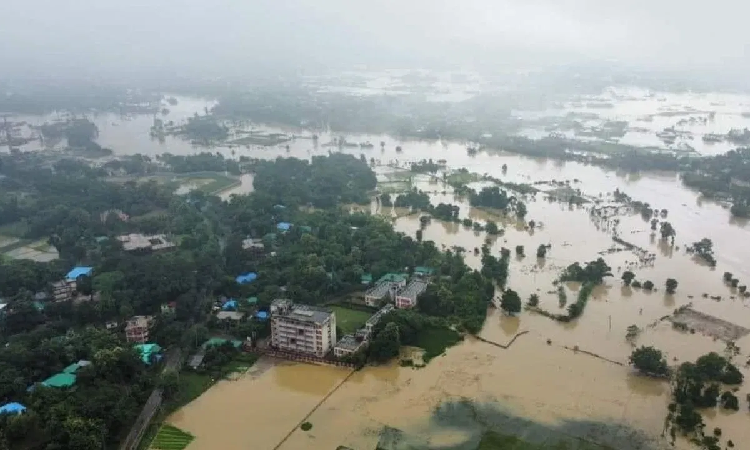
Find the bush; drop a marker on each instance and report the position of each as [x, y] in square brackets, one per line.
[307, 426]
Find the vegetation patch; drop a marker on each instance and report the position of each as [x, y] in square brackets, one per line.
[171, 438]
[350, 320]
[435, 340]
[307, 426]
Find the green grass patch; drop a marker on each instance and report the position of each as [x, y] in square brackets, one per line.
[191, 386]
[171, 438]
[492, 440]
[434, 341]
[240, 364]
[350, 320]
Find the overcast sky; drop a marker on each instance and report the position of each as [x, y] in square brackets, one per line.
[237, 36]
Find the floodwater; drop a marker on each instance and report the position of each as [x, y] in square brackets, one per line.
[650, 112]
[548, 385]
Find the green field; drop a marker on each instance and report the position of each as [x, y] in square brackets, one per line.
[171, 438]
[350, 320]
[435, 340]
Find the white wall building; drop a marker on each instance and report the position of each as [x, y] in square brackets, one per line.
[301, 328]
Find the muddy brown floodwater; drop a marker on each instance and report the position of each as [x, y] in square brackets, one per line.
[552, 386]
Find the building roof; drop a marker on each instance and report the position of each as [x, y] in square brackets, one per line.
[307, 313]
[2, 306]
[422, 270]
[137, 241]
[394, 278]
[12, 408]
[246, 278]
[60, 380]
[366, 278]
[234, 315]
[348, 342]
[413, 289]
[380, 290]
[261, 315]
[146, 350]
[375, 318]
[73, 368]
[219, 341]
[252, 300]
[230, 305]
[283, 226]
[305, 229]
[78, 271]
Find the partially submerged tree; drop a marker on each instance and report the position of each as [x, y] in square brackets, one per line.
[628, 277]
[510, 302]
[649, 361]
[671, 285]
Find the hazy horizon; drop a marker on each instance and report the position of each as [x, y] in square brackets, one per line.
[192, 38]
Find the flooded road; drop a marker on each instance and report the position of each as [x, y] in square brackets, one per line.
[551, 386]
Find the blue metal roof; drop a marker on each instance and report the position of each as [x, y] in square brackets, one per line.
[261, 315]
[12, 408]
[78, 271]
[231, 305]
[246, 278]
[283, 226]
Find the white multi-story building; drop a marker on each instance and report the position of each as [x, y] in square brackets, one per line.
[301, 328]
[407, 297]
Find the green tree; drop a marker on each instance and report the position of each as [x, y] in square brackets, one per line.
[386, 344]
[666, 230]
[491, 228]
[533, 300]
[628, 277]
[648, 285]
[519, 250]
[671, 285]
[541, 251]
[510, 302]
[649, 361]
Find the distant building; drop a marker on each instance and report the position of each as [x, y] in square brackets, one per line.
[385, 288]
[63, 290]
[230, 315]
[301, 328]
[168, 308]
[407, 297]
[140, 242]
[137, 329]
[254, 245]
[348, 345]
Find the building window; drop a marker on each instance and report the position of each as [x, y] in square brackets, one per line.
[300, 332]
